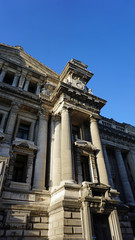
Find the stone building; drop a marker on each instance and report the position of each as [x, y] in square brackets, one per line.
[65, 171]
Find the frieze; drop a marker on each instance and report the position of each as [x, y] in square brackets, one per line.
[116, 134]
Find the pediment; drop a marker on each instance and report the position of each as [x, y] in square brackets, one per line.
[13, 57]
[24, 144]
[18, 56]
[85, 145]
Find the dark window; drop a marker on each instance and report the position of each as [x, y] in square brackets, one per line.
[19, 173]
[85, 168]
[101, 230]
[32, 87]
[1, 116]
[23, 131]
[75, 133]
[133, 227]
[9, 78]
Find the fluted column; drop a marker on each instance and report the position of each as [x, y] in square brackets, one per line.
[38, 89]
[31, 132]
[22, 79]
[131, 162]
[124, 177]
[40, 164]
[108, 167]
[11, 121]
[26, 85]
[2, 75]
[100, 157]
[15, 80]
[66, 150]
[87, 221]
[57, 153]
[52, 149]
[115, 225]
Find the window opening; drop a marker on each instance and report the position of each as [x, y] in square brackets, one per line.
[75, 133]
[23, 131]
[19, 172]
[101, 229]
[9, 78]
[85, 168]
[32, 87]
[1, 116]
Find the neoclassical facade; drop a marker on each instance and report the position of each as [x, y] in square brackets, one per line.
[66, 172]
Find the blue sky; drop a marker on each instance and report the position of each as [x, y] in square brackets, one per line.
[100, 33]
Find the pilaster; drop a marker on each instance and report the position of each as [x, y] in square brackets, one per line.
[15, 80]
[22, 79]
[11, 121]
[3, 73]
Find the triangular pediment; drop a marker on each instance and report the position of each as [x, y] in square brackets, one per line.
[18, 56]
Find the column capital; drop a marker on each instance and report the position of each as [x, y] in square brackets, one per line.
[15, 106]
[94, 118]
[44, 114]
[118, 150]
[4, 68]
[18, 74]
[56, 118]
[66, 108]
[23, 73]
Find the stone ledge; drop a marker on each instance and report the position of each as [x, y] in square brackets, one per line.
[31, 233]
[14, 233]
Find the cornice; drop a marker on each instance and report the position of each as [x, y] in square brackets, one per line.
[114, 135]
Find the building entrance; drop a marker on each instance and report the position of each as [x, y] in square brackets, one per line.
[101, 227]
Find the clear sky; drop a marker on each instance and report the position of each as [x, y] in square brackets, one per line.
[100, 33]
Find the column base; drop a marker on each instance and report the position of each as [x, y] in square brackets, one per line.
[36, 189]
[64, 182]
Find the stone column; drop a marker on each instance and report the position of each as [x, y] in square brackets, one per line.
[11, 121]
[22, 79]
[115, 226]
[38, 89]
[87, 221]
[131, 162]
[3, 121]
[29, 169]
[2, 75]
[31, 132]
[40, 164]
[52, 149]
[100, 157]
[124, 178]
[66, 149]
[15, 80]
[26, 85]
[108, 167]
[57, 153]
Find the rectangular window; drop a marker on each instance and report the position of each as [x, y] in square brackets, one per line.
[32, 87]
[101, 229]
[75, 133]
[20, 168]
[1, 116]
[23, 131]
[85, 168]
[9, 78]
